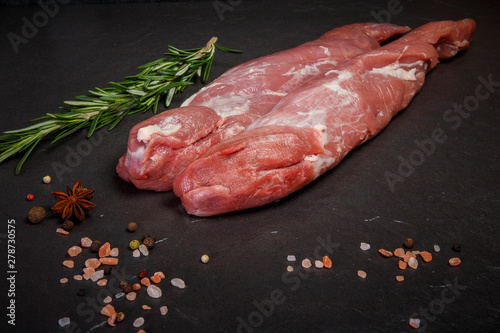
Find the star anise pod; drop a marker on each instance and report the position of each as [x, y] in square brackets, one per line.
[75, 202]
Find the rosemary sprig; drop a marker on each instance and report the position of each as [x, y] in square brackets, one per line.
[162, 78]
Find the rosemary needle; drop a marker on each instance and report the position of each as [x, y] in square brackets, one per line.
[159, 79]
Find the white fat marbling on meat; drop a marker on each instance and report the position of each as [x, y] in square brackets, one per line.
[395, 70]
[134, 155]
[144, 134]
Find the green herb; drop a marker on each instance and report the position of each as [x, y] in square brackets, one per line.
[159, 79]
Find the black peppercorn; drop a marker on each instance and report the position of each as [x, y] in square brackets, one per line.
[409, 243]
[68, 225]
[128, 289]
[96, 245]
[132, 227]
[123, 284]
[457, 247]
[107, 270]
[144, 236]
[82, 292]
[149, 242]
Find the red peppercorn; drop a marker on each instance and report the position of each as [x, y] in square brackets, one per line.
[142, 274]
[30, 197]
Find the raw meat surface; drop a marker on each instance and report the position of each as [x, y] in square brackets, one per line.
[315, 126]
[162, 146]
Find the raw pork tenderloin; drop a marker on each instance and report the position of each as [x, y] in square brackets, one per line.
[315, 126]
[162, 146]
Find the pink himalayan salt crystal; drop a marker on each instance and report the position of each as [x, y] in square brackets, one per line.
[102, 282]
[69, 263]
[289, 268]
[318, 264]
[163, 310]
[120, 295]
[86, 276]
[291, 257]
[62, 231]
[146, 307]
[112, 319]
[362, 274]
[413, 263]
[154, 291]
[92, 263]
[97, 275]
[74, 251]
[64, 321]
[179, 283]
[437, 248]
[114, 252]
[364, 246]
[131, 296]
[136, 253]
[78, 277]
[144, 250]
[107, 300]
[138, 322]
[86, 242]
[89, 271]
[160, 274]
[306, 263]
[63, 280]
[414, 322]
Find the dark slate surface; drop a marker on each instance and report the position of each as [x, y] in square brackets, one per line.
[451, 196]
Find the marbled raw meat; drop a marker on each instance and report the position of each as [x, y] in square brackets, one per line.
[160, 147]
[312, 129]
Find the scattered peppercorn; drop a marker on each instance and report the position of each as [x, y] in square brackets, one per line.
[134, 245]
[120, 316]
[128, 289]
[108, 270]
[30, 197]
[96, 245]
[68, 225]
[144, 236]
[81, 292]
[149, 242]
[457, 247]
[141, 274]
[204, 258]
[123, 284]
[47, 179]
[36, 214]
[132, 227]
[409, 243]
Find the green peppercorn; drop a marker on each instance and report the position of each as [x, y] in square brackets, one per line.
[149, 242]
[36, 214]
[120, 316]
[68, 225]
[134, 245]
[132, 227]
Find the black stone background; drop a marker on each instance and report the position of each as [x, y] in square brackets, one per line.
[451, 197]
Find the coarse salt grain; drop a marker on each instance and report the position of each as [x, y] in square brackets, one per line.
[136, 253]
[160, 274]
[63, 280]
[92, 263]
[78, 277]
[131, 296]
[400, 278]
[145, 281]
[385, 253]
[454, 261]
[306, 263]
[102, 282]
[402, 264]
[426, 256]
[107, 300]
[154, 291]
[114, 252]
[364, 246]
[69, 263]
[109, 261]
[144, 250]
[64, 321]
[437, 248]
[362, 274]
[414, 322]
[289, 268]
[327, 262]
[413, 263]
[318, 264]
[97, 275]
[62, 231]
[179, 283]
[138, 322]
[108, 310]
[155, 279]
[74, 251]
[86, 242]
[291, 257]
[146, 307]
[163, 310]
[89, 271]
[399, 252]
[120, 295]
